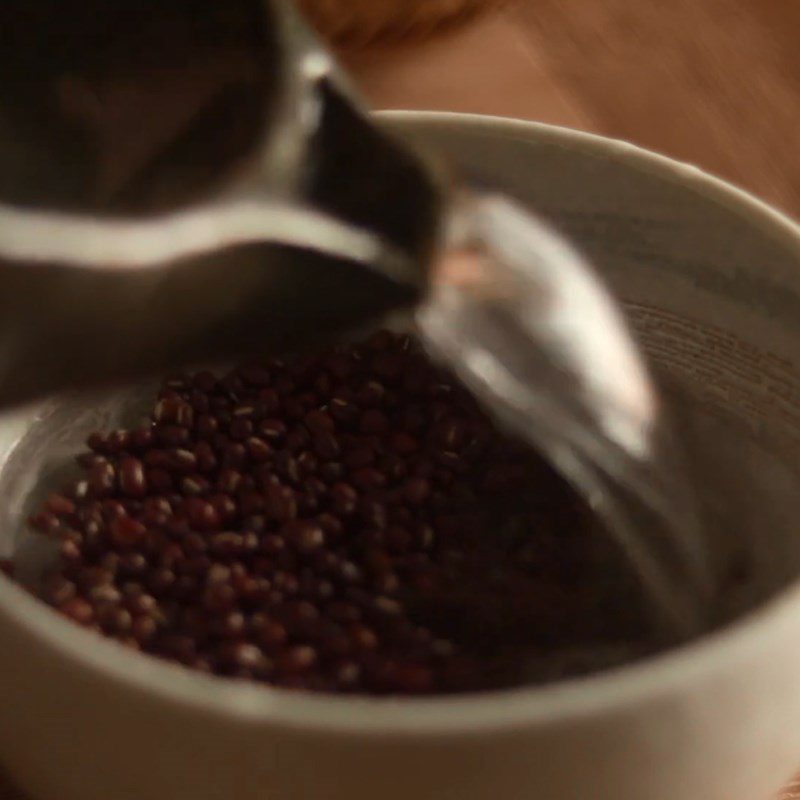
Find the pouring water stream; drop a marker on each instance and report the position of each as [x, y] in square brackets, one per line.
[525, 324]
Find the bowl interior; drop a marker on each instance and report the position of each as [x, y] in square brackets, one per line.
[708, 278]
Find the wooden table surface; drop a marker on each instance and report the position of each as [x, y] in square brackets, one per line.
[713, 82]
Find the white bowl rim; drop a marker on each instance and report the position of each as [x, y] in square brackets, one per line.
[505, 710]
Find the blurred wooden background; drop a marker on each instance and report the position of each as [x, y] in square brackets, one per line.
[713, 82]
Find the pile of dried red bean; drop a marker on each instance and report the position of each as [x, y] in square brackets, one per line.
[345, 522]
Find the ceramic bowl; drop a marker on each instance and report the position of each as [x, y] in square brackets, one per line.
[710, 278]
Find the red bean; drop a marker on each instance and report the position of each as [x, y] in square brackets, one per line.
[58, 590]
[331, 524]
[102, 478]
[140, 603]
[114, 620]
[78, 610]
[228, 544]
[126, 532]
[234, 456]
[374, 421]
[413, 679]
[144, 629]
[132, 564]
[183, 648]
[371, 394]
[363, 638]
[181, 460]
[344, 412]
[60, 506]
[225, 506]
[269, 633]
[345, 498]
[359, 457]
[45, 521]
[258, 449]
[417, 490]
[344, 612]
[206, 426]
[319, 422]
[194, 485]
[70, 552]
[97, 443]
[368, 478]
[297, 659]
[306, 536]
[160, 580]
[159, 480]
[167, 409]
[201, 514]
[132, 479]
[172, 435]
[348, 675]
[404, 443]
[141, 439]
[240, 429]
[231, 625]
[205, 457]
[281, 503]
[301, 521]
[272, 430]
